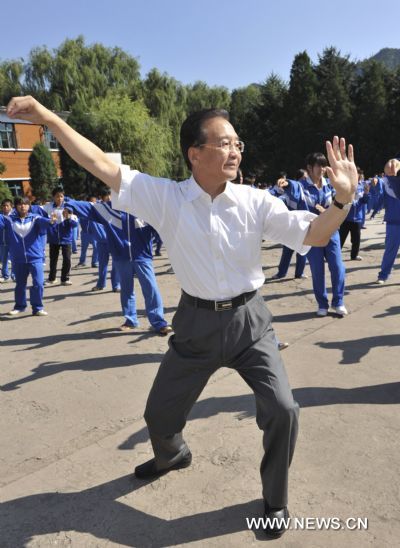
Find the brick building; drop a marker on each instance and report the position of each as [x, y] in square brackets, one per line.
[17, 138]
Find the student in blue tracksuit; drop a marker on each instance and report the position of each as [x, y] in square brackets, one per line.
[287, 253]
[6, 209]
[59, 238]
[130, 243]
[315, 194]
[103, 252]
[23, 232]
[391, 186]
[377, 195]
[354, 220]
[86, 239]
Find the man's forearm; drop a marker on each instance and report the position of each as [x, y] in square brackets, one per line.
[84, 152]
[322, 228]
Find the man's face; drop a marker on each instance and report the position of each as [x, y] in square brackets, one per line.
[211, 163]
[92, 199]
[106, 198]
[6, 208]
[58, 198]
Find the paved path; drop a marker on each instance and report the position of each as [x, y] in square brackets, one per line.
[73, 390]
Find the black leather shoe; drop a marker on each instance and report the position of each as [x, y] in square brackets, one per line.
[277, 518]
[148, 470]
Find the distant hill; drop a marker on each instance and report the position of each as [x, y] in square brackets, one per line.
[390, 57]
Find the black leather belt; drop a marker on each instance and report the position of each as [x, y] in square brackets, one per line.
[218, 306]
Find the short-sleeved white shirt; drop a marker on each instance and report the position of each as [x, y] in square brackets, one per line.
[214, 245]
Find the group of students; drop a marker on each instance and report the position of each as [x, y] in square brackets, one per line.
[129, 241]
[25, 229]
[311, 191]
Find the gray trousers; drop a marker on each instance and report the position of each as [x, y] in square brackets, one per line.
[242, 339]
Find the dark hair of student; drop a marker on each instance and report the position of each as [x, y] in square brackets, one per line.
[21, 200]
[105, 192]
[316, 159]
[192, 132]
[56, 190]
[6, 201]
[300, 174]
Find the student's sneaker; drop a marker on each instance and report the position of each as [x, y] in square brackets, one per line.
[67, 282]
[302, 277]
[127, 327]
[321, 312]
[358, 258]
[14, 312]
[4, 280]
[380, 282]
[79, 265]
[117, 290]
[40, 313]
[96, 288]
[341, 310]
[277, 277]
[95, 265]
[51, 282]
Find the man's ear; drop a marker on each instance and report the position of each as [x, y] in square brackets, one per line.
[193, 155]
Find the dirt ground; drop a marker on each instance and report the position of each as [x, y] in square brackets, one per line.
[73, 391]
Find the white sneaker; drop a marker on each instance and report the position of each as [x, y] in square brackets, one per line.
[67, 282]
[51, 282]
[380, 282]
[14, 312]
[341, 310]
[40, 313]
[358, 258]
[321, 312]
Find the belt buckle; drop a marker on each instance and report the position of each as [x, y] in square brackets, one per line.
[220, 306]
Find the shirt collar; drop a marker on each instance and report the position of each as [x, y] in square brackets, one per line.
[192, 190]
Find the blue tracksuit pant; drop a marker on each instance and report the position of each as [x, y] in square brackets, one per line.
[22, 271]
[104, 256]
[392, 244]
[145, 273]
[285, 263]
[4, 254]
[332, 253]
[87, 239]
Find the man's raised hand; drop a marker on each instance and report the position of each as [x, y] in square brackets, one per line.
[342, 172]
[27, 108]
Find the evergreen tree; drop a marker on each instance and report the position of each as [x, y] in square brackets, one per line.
[5, 192]
[42, 171]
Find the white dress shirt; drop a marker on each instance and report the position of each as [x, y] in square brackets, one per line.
[214, 245]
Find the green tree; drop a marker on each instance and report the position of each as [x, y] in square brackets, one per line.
[118, 124]
[335, 75]
[369, 118]
[5, 192]
[11, 73]
[42, 171]
[299, 114]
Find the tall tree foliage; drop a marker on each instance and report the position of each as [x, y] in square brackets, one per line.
[42, 171]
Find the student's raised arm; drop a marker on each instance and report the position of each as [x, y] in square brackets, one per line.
[83, 151]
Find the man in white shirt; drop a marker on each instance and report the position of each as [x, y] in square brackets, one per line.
[213, 231]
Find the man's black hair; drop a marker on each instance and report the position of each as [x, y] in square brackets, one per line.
[316, 159]
[6, 201]
[56, 190]
[192, 132]
[105, 192]
[21, 200]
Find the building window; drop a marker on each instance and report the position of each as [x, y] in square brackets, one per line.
[15, 188]
[7, 136]
[49, 140]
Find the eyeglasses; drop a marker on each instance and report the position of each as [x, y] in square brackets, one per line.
[225, 145]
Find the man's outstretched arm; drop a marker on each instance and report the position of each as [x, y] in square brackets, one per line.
[83, 151]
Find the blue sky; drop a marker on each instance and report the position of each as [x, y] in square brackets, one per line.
[222, 42]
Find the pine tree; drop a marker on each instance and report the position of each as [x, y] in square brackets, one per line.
[42, 171]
